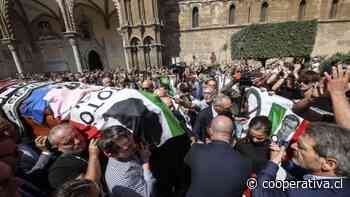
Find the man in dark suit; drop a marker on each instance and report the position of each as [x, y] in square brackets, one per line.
[216, 168]
[221, 105]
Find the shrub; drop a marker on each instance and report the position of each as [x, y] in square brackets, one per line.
[276, 40]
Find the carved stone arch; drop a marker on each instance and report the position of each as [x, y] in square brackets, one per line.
[112, 14]
[135, 42]
[195, 17]
[147, 37]
[264, 11]
[83, 21]
[67, 10]
[88, 6]
[302, 9]
[232, 13]
[148, 41]
[6, 29]
[99, 51]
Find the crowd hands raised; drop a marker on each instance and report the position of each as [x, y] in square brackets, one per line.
[215, 158]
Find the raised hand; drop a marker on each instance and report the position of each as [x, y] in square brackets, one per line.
[93, 148]
[41, 143]
[277, 153]
[145, 153]
[337, 83]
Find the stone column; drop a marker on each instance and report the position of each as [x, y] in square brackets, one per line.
[126, 53]
[141, 57]
[11, 46]
[153, 55]
[128, 58]
[159, 55]
[73, 42]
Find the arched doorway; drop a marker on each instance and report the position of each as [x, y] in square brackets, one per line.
[95, 62]
[147, 43]
[135, 42]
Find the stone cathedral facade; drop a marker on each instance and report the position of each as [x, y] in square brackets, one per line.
[76, 35]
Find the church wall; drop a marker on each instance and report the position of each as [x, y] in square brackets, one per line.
[46, 50]
[114, 46]
[27, 51]
[178, 36]
[148, 4]
[51, 45]
[214, 32]
[332, 37]
[105, 41]
[56, 55]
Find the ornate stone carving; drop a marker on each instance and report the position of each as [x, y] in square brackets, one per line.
[119, 13]
[67, 10]
[5, 24]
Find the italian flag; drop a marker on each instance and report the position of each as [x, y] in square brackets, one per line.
[143, 113]
[168, 84]
[286, 124]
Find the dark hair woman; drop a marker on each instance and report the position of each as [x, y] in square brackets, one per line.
[80, 188]
[255, 146]
[128, 171]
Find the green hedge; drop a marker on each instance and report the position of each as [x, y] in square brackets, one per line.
[264, 41]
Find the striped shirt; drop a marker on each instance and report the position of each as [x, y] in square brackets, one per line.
[128, 179]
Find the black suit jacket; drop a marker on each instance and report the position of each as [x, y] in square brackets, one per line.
[217, 170]
[203, 120]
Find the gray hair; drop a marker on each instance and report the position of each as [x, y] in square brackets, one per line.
[332, 141]
[55, 130]
[219, 99]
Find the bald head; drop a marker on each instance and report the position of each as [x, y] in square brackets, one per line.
[222, 103]
[147, 85]
[222, 124]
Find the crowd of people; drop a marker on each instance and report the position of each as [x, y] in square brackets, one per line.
[217, 157]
